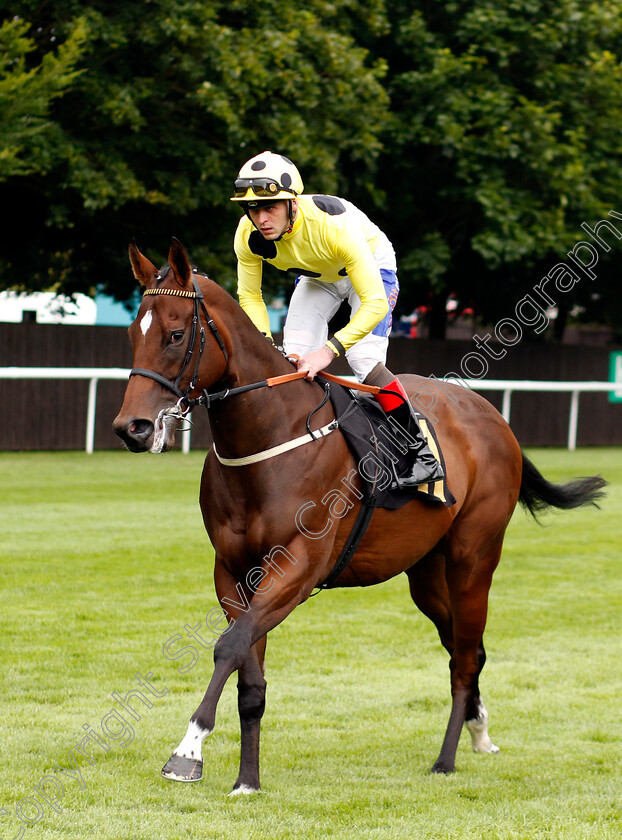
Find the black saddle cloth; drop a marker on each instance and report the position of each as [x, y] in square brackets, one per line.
[381, 451]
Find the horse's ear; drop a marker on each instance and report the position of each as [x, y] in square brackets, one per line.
[178, 261]
[144, 271]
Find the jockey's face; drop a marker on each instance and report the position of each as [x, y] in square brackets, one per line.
[272, 220]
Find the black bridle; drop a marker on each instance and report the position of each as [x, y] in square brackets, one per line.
[185, 403]
[197, 326]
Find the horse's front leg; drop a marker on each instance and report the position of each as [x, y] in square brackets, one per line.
[186, 762]
[251, 705]
[284, 584]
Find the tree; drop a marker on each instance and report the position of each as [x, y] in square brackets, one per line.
[479, 134]
[505, 137]
[28, 136]
[169, 103]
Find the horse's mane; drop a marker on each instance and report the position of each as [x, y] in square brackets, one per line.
[275, 356]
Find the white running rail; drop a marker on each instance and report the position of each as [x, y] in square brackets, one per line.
[507, 386]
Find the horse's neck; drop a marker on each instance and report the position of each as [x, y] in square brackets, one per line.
[247, 423]
[253, 359]
[259, 419]
[251, 356]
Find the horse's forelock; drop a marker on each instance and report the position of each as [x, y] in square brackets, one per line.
[164, 271]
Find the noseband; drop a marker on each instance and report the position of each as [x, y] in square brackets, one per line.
[199, 306]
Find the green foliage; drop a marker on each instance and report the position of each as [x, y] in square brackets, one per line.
[172, 98]
[506, 129]
[28, 135]
[480, 134]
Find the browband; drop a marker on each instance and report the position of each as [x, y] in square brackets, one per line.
[175, 292]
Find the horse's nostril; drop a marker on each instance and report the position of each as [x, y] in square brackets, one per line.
[134, 433]
[140, 429]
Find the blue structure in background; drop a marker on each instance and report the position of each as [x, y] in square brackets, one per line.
[102, 311]
[111, 313]
[277, 311]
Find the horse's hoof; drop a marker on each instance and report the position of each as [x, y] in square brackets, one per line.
[181, 769]
[244, 789]
[441, 767]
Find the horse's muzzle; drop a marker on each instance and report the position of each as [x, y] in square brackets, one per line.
[136, 434]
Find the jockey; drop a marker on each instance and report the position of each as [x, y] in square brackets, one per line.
[337, 254]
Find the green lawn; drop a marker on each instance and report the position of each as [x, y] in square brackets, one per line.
[104, 559]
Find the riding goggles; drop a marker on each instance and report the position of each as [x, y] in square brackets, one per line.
[260, 187]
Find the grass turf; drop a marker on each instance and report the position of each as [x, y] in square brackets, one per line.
[104, 559]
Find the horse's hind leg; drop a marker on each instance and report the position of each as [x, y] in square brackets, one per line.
[428, 589]
[477, 724]
[468, 575]
[430, 593]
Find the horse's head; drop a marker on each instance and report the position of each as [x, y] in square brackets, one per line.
[176, 345]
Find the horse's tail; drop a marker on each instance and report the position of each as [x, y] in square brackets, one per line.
[537, 494]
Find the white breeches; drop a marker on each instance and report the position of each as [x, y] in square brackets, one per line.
[312, 305]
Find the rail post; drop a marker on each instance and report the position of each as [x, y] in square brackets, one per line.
[90, 415]
[573, 421]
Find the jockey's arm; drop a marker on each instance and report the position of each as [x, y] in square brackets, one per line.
[366, 280]
[249, 293]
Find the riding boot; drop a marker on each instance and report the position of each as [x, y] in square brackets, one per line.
[425, 468]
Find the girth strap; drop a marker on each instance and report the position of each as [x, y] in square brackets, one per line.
[357, 533]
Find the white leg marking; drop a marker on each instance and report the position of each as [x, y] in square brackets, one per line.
[245, 789]
[146, 321]
[190, 746]
[478, 729]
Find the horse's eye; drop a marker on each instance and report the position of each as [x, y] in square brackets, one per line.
[177, 336]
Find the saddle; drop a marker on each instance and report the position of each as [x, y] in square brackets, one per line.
[381, 450]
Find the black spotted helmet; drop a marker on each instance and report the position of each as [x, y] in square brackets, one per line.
[267, 177]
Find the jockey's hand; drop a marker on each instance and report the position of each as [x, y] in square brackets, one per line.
[316, 361]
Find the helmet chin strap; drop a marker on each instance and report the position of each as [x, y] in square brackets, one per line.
[291, 217]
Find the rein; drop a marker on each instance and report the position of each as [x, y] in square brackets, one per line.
[185, 403]
[207, 399]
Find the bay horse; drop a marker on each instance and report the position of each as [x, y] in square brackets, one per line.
[277, 521]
